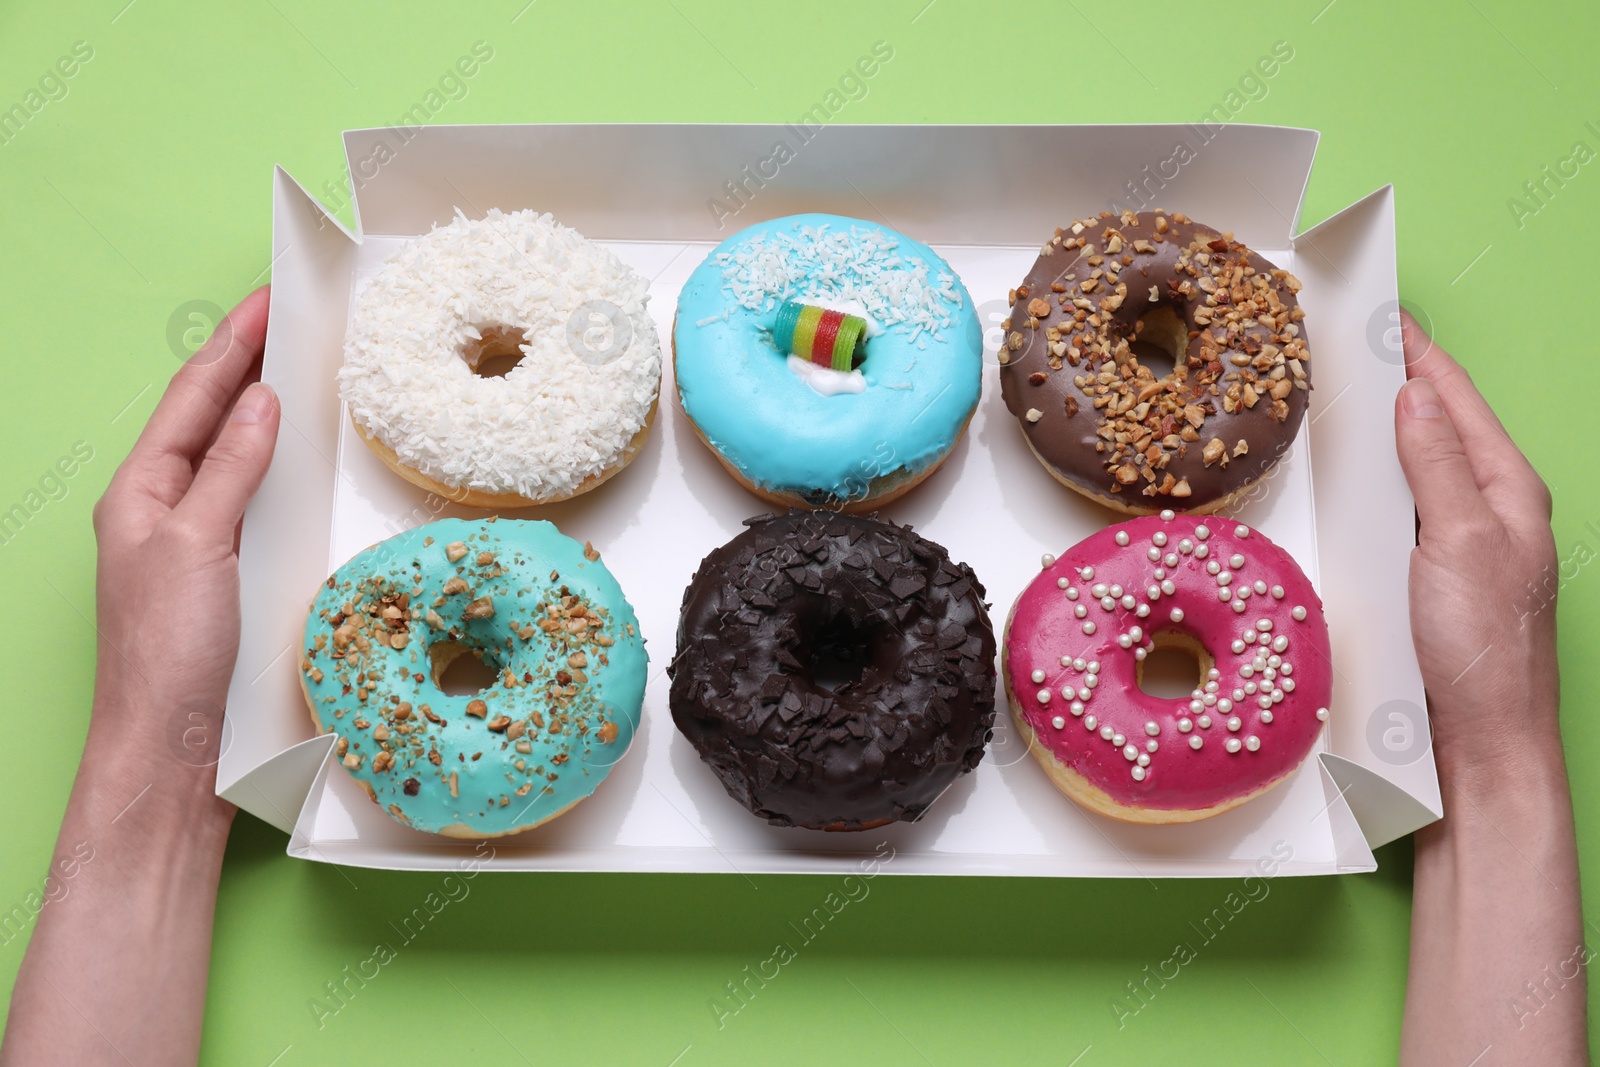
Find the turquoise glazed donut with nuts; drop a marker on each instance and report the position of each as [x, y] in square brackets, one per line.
[538, 608]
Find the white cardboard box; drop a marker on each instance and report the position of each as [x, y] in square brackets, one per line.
[985, 198]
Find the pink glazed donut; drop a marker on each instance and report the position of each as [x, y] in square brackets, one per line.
[1074, 656]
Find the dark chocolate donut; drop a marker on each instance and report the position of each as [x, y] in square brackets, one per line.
[1110, 297]
[851, 594]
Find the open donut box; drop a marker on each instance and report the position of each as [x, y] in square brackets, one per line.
[985, 197]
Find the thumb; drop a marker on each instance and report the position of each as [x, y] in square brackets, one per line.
[1434, 461]
[234, 465]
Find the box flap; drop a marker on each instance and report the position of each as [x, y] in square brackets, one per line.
[1379, 720]
[703, 182]
[312, 256]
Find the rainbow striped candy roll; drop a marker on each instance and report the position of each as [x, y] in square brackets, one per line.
[817, 335]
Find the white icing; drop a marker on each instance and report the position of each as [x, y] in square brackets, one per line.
[825, 381]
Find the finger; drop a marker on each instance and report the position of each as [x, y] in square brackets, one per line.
[1435, 462]
[1508, 481]
[232, 470]
[191, 410]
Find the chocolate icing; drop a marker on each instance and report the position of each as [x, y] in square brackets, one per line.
[879, 748]
[1059, 333]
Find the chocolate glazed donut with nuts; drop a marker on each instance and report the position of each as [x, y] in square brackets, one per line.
[1110, 302]
[807, 594]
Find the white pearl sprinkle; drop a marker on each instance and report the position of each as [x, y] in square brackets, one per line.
[1202, 532]
[1116, 590]
[1185, 725]
[1238, 695]
[1224, 594]
[1236, 561]
[1142, 610]
[1196, 741]
[1233, 744]
[1107, 733]
[1243, 592]
[1263, 639]
[1159, 539]
[1130, 752]
[1138, 653]
[1152, 728]
[1280, 643]
[1167, 515]
[1089, 722]
[1287, 685]
[1059, 723]
[1170, 559]
[1088, 628]
[1252, 742]
[1125, 641]
[1078, 663]
[1068, 693]
[1210, 699]
[1224, 705]
[1299, 613]
[1177, 615]
[1138, 633]
[1213, 567]
[1234, 723]
[1091, 680]
[1266, 716]
[1204, 721]
[1066, 661]
[1086, 573]
[1154, 554]
[1185, 546]
[1093, 666]
[1247, 670]
[1084, 693]
[1080, 611]
[1072, 592]
[1264, 625]
[1238, 646]
[1044, 696]
[1225, 578]
[1161, 572]
[1168, 587]
[1153, 593]
[1107, 604]
[1122, 537]
[1264, 701]
[1288, 668]
[1275, 661]
[1076, 707]
[1241, 531]
[1038, 676]
[1250, 688]
[1202, 551]
[1046, 561]
[1277, 592]
[1260, 587]
[1063, 583]
[1118, 740]
[1143, 761]
[1197, 705]
[1238, 606]
[1322, 714]
[1098, 590]
[1128, 601]
[1212, 675]
[1138, 773]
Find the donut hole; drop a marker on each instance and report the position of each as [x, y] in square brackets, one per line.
[459, 670]
[496, 352]
[840, 652]
[1160, 340]
[1175, 666]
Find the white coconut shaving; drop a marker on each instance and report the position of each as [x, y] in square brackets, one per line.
[567, 412]
[858, 268]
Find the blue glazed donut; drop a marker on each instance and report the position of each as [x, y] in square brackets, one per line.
[802, 435]
[533, 604]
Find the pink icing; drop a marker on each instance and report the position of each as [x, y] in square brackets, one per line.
[1044, 630]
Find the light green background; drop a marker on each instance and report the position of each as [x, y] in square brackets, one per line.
[148, 186]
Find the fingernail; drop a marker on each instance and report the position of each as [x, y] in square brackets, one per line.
[254, 404]
[1420, 399]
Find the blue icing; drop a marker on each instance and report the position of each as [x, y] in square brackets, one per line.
[566, 713]
[774, 428]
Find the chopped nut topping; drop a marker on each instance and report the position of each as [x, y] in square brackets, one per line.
[455, 550]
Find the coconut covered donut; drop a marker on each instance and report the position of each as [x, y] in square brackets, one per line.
[431, 325]
[531, 603]
[1074, 655]
[1109, 305]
